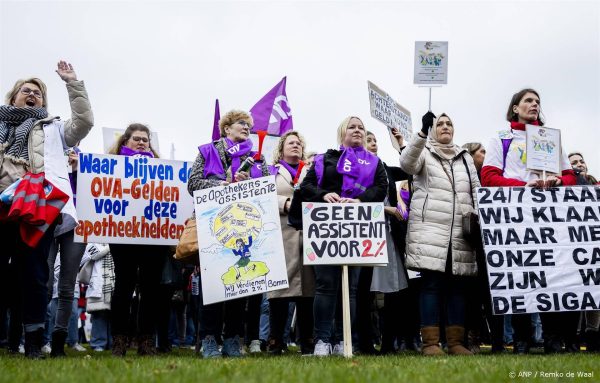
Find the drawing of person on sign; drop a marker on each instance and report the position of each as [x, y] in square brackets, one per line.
[233, 226]
[242, 251]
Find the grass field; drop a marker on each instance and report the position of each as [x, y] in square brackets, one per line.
[185, 366]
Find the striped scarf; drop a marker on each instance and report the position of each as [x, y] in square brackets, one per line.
[15, 126]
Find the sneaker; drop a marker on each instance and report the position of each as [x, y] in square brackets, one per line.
[78, 347]
[322, 349]
[98, 349]
[21, 349]
[255, 347]
[46, 349]
[210, 349]
[232, 347]
[338, 349]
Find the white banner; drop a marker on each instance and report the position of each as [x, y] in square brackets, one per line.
[431, 62]
[344, 234]
[269, 146]
[136, 200]
[393, 115]
[542, 248]
[239, 236]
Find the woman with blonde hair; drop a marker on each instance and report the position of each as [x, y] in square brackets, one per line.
[350, 174]
[219, 163]
[32, 145]
[289, 159]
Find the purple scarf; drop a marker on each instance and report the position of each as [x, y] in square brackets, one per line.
[405, 196]
[125, 151]
[212, 161]
[357, 167]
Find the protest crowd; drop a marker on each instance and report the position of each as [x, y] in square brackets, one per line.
[432, 297]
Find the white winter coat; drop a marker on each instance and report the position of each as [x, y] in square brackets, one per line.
[436, 208]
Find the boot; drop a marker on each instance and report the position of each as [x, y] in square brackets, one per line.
[431, 341]
[146, 345]
[33, 344]
[592, 341]
[474, 341]
[58, 343]
[119, 346]
[455, 336]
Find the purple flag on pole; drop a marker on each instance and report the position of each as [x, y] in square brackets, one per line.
[216, 132]
[272, 112]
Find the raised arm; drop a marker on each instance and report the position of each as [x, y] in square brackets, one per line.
[82, 118]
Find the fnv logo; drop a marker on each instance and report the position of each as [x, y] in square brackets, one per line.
[347, 165]
[234, 149]
[363, 162]
[278, 112]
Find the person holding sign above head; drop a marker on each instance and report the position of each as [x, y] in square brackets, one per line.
[444, 183]
[505, 164]
[288, 158]
[350, 174]
[35, 190]
[135, 264]
[226, 160]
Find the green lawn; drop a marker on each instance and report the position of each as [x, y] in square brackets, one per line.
[185, 366]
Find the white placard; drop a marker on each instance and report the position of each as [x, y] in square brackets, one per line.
[135, 200]
[239, 237]
[269, 146]
[390, 113]
[111, 135]
[431, 62]
[543, 149]
[542, 248]
[344, 234]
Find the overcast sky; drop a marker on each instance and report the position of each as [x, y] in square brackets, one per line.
[164, 63]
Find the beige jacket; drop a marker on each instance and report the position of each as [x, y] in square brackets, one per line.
[436, 209]
[73, 130]
[301, 278]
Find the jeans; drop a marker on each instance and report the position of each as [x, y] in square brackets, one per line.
[101, 330]
[70, 257]
[72, 329]
[281, 317]
[508, 329]
[442, 293]
[263, 333]
[31, 269]
[328, 305]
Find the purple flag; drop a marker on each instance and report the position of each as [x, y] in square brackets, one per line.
[216, 132]
[272, 112]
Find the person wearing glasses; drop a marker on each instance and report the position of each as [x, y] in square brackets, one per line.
[144, 261]
[219, 163]
[32, 145]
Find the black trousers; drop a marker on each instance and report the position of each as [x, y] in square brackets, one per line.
[135, 264]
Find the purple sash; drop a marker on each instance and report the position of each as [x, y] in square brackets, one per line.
[125, 151]
[357, 167]
[212, 161]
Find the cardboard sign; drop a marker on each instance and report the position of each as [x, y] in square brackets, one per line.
[393, 115]
[136, 200]
[240, 242]
[542, 248]
[543, 149]
[344, 234]
[431, 62]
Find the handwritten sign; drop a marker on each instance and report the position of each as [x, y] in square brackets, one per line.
[136, 200]
[344, 234]
[543, 149]
[389, 112]
[240, 243]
